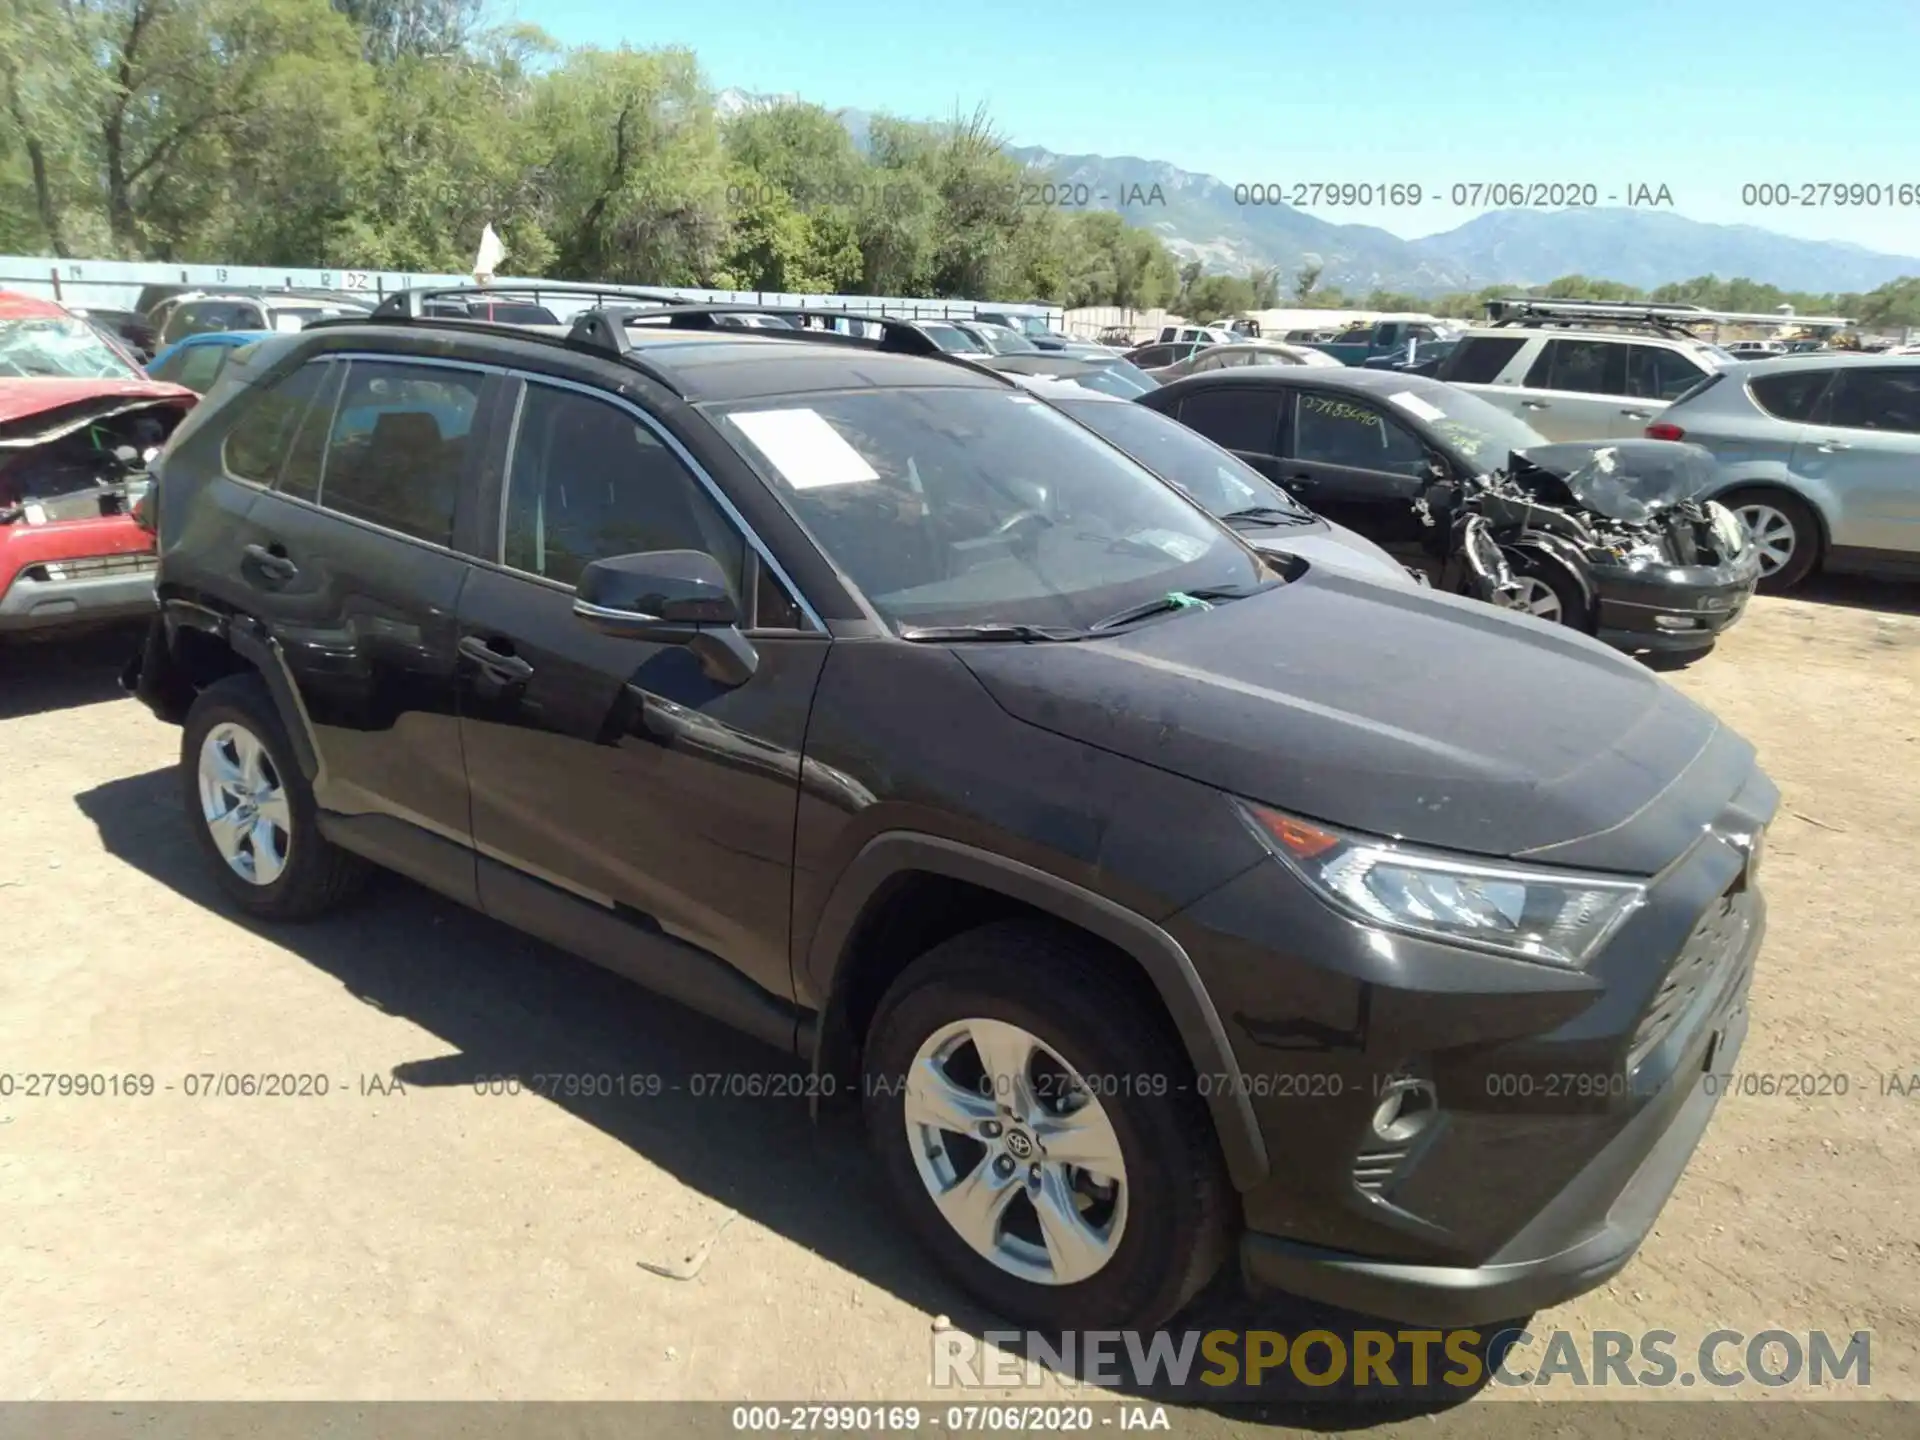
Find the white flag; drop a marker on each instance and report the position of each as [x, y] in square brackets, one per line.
[492, 252]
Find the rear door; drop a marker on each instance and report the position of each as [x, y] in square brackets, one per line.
[1656, 376]
[1244, 419]
[1575, 388]
[1863, 448]
[353, 562]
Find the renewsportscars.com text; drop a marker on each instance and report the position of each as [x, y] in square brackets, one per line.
[1386, 1359]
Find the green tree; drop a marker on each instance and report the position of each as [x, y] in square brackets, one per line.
[633, 172]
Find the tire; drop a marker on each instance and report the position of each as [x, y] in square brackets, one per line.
[1552, 583]
[1762, 507]
[1176, 1224]
[297, 873]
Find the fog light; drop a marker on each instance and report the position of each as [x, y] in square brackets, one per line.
[1405, 1108]
[1675, 622]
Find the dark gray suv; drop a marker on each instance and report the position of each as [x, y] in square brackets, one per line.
[1154, 898]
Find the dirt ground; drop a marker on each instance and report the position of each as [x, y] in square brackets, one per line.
[404, 1236]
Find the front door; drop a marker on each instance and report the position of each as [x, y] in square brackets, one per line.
[615, 770]
[1863, 447]
[1361, 468]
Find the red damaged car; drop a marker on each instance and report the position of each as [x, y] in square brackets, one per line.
[79, 424]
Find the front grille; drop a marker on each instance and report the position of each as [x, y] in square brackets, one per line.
[92, 567]
[1714, 943]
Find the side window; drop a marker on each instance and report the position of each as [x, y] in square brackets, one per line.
[258, 440]
[1243, 418]
[1333, 430]
[588, 481]
[300, 476]
[1152, 359]
[1584, 367]
[1885, 400]
[199, 366]
[398, 445]
[1792, 396]
[773, 607]
[1657, 374]
[170, 368]
[1479, 359]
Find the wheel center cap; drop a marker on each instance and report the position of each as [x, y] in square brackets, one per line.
[1019, 1145]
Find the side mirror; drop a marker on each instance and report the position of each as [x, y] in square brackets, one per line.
[669, 597]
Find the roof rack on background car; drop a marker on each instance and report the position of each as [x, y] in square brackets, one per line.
[1677, 321]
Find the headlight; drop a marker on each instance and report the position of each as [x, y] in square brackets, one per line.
[1555, 917]
[1728, 528]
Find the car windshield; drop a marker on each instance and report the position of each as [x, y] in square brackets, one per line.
[1218, 479]
[1011, 342]
[297, 317]
[1117, 377]
[59, 347]
[951, 339]
[975, 506]
[1480, 433]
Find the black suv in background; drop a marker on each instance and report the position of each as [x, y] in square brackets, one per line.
[1153, 897]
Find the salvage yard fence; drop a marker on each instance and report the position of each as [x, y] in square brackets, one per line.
[116, 285]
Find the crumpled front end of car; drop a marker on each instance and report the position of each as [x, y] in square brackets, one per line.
[71, 551]
[1675, 581]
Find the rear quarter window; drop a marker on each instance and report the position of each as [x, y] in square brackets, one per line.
[1792, 396]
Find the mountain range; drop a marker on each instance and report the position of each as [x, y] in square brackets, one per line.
[1198, 218]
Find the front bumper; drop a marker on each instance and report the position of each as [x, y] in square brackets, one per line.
[57, 594]
[1584, 1236]
[1559, 1108]
[1670, 608]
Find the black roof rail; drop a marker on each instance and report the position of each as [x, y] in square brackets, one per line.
[603, 330]
[408, 304]
[606, 329]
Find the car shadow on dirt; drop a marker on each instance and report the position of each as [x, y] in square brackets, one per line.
[507, 1005]
[1861, 592]
[40, 676]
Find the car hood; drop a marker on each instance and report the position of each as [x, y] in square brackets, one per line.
[1330, 544]
[1626, 480]
[1401, 712]
[30, 408]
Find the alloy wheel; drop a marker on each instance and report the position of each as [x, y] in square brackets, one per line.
[1016, 1151]
[244, 803]
[1773, 535]
[1539, 599]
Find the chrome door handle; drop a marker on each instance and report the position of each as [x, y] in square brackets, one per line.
[1833, 447]
[1638, 414]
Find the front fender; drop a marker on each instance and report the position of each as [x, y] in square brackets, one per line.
[1165, 963]
[1560, 550]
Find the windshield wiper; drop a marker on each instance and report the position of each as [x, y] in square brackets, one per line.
[1268, 515]
[1177, 600]
[988, 631]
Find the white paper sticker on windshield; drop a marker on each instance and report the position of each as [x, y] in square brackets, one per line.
[1414, 405]
[807, 451]
[289, 322]
[1184, 548]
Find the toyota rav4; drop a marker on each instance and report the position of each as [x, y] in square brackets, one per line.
[1156, 898]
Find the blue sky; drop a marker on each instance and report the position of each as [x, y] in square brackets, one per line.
[1700, 96]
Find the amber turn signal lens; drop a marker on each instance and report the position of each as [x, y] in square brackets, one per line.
[1296, 837]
